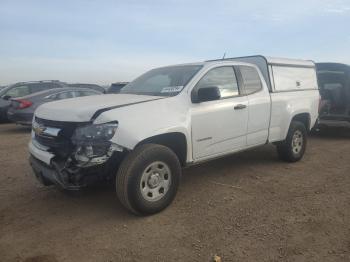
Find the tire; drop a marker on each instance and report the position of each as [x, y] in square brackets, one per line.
[293, 148]
[148, 179]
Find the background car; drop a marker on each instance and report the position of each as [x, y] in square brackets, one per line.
[23, 89]
[22, 109]
[116, 87]
[334, 84]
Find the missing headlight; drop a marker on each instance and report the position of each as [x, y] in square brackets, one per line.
[93, 145]
[89, 155]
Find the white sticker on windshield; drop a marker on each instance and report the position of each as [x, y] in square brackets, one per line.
[171, 89]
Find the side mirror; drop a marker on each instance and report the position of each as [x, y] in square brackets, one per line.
[7, 97]
[204, 94]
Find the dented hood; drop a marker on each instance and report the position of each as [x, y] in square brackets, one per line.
[83, 109]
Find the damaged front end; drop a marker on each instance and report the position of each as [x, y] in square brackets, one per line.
[80, 153]
[92, 144]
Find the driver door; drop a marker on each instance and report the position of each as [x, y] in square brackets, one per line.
[219, 126]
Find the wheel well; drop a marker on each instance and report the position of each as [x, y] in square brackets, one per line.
[303, 118]
[175, 141]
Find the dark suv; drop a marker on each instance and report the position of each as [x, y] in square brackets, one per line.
[334, 84]
[23, 89]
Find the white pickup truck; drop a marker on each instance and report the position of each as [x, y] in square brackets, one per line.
[172, 117]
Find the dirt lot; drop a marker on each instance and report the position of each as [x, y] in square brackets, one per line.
[246, 207]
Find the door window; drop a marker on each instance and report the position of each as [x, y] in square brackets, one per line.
[251, 79]
[222, 77]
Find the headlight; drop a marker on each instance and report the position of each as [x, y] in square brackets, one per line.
[95, 133]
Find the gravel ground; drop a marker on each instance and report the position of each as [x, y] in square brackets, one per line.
[245, 207]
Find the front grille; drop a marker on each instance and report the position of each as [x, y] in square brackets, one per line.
[61, 144]
[52, 142]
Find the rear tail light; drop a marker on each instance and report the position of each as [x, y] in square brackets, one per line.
[22, 103]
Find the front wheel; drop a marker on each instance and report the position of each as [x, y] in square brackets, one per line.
[148, 179]
[293, 148]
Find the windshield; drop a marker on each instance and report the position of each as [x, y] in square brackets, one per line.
[166, 81]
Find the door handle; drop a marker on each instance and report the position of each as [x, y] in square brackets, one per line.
[240, 106]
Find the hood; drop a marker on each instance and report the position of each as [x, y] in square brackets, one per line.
[83, 109]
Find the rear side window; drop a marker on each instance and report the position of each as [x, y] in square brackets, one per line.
[85, 93]
[37, 87]
[18, 91]
[222, 77]
[251, 79]
[64, 95]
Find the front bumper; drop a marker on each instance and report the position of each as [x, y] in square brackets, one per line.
[49, 169]
[40, 153]
[72, 178]
[48, 175]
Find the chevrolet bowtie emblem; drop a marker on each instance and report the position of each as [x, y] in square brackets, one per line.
[38, 129]
[42, 130]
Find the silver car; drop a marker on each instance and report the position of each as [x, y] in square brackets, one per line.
[22, 109]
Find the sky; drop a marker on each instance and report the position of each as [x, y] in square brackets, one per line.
[107, 41]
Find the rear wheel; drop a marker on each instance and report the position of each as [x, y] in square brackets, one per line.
[293, 148]
[148, 179]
